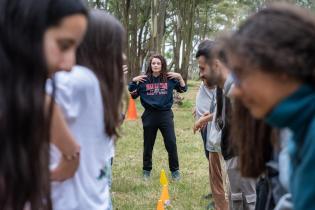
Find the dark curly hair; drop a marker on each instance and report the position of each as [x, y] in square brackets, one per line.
[277, 39]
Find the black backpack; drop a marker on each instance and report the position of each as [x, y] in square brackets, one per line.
[268, 189]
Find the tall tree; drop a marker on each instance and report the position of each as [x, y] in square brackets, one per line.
[174, 28]
[158, 25]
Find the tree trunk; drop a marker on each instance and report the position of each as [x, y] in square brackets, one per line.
[187, 41]
[158, 24]
[132, 56]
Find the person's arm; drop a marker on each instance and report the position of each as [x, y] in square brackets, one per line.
[194, 112]
[203, 121]
[61, 137]
[134, 85]
[182, 87]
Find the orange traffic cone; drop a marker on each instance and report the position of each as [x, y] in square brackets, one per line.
[160, 205]
[165, 197]
[132, 111]
[163, 178]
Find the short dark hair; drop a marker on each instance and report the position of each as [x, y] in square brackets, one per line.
[204, 48]
[211, 50]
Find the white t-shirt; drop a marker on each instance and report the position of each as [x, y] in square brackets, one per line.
[205, 100]
[214, 136]
[78, 95]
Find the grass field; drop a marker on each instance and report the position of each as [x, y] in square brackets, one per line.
[131, 192]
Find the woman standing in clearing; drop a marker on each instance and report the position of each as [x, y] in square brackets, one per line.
[155, 89]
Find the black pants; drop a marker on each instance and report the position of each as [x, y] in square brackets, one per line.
[204, 139]
[162, 120]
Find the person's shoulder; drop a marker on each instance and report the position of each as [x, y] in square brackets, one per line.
[83, 77]
[77, 72]
[77, 80]
[83, 73]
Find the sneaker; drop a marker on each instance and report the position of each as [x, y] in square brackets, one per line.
[146, 174]
[176, 175]
[210, 206]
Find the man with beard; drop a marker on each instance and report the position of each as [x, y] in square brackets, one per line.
[242, 190]
[205, 107]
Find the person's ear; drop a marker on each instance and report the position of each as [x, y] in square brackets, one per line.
[216, 64]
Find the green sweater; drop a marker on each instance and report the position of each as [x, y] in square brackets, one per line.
[297, 112]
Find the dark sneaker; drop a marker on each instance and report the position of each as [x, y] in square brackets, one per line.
[146, 174]
[176, 175]
[208, 196]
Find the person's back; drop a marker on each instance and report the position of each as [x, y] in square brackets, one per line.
[79, 96]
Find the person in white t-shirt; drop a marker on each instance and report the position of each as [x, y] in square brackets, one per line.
[212, 135]
[90, 99]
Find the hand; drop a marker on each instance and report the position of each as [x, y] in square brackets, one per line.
[133, 92]
[174, 75]
[140, 78]
[199, 125]
[205, 114]
[65, 169]
[202, 122]
[205, 118]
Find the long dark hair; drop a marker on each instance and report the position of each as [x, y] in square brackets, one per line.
[277, 39]
[253, 140]
[24, 124]
[102, 51]
[163, 73]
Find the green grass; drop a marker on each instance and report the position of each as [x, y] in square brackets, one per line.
[131, 192]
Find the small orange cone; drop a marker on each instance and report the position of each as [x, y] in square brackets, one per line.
[132, 111]
[165, 197]
[163, 178]
[160, 205]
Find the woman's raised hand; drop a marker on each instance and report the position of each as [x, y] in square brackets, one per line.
[140, 78]
[174, 75]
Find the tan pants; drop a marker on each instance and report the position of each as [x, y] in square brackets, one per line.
[217, 181]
